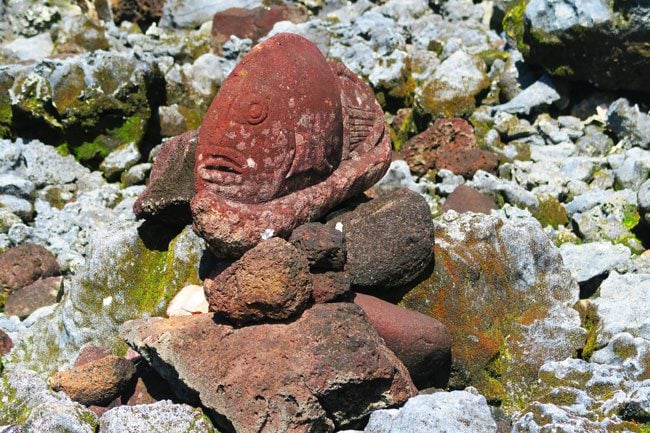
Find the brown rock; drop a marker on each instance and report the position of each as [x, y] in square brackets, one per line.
[143, 12]
[149, 387]
[389, 240]
[97, 382]
[252, 23]
[466, 162]
[331, 287]
[25, 300]
[466, 199]
[422, 343]
[171, 183]
[269, 282]
[90, 353]
[22, 265]
[306, 135]
[6, 344]
[327, 370]
[323, 246]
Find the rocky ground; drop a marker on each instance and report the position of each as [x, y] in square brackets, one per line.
[523, 124]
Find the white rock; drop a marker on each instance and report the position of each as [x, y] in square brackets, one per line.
[586, 261]
[190, 299]
[34, 48]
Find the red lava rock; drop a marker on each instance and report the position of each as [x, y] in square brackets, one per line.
[98, 382]
[25, 300]
[90, 353]
[269, 282]
[252, 23]
[288, 136]
[326, 370]
[171, 183]
[422, 343]
[6, 344]
[144, 12]
[21, 265]
[331, 287]
[466, 162]
[323, 246]
[466, 199]
[149, 387]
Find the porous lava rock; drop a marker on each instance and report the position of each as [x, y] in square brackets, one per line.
[288, 136]
[252, 23]
[24, 264]
[324, 371]
[449, 144]
[389, 240]
[171, 183]
[466, 199]
[6, 343]
[97, 382]
[269, 282]
[331, 287]
[421, 342]
[323, 246]
[25, 300]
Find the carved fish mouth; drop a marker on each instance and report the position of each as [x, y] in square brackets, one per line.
[224, 159]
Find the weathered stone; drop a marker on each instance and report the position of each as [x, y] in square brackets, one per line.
[502, 290]
[269, 282]
[466, 162]
[389, 240]
[422, 343]
[331, 287]
[24, 264]
[143, 12]
[90, 353]
[326, 370]
[466, 199]
[189, 300]
[5, 343]
[252, 23]
[171, 182]
[96, 382]
[25, 300]
[288, 151]
[323, 246]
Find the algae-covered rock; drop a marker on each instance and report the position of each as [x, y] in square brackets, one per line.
[503, 292]
[600, 41]
[130, 273]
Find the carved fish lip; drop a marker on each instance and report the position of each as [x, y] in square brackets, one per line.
[225, 159]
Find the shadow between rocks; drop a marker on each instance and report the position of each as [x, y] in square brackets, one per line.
[156, 236]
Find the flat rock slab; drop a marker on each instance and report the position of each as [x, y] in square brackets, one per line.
[327, 370]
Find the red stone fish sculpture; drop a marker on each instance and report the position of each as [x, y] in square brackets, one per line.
[289, 136]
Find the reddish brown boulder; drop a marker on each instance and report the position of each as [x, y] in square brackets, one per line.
[143, 12]
[422, 343]
[6, 343]
[323, 246]
[171, 183]
[466, 199]
[97, 382]
[306, 135]
[466, 161]
[22, 265]
[331, 287]
[252, 23]
[269, 282]
[90, 353]
[327, 370]
[25, 300]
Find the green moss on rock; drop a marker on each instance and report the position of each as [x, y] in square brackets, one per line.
[550, 212]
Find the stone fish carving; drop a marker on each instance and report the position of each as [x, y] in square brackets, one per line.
[289, 136]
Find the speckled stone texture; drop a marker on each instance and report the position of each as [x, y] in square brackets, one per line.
[307, 135]
[24, 264]
[322, 372]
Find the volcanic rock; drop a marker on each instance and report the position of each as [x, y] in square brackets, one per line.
[466, 199]
[327, 370]
[323, 246]
[96, 382]
[306, 135]
[269, 282]
[389, 240]
[421, 342]
[331, 287]
[5, 343]
[171, 183]
[24, 264]
[25, 300]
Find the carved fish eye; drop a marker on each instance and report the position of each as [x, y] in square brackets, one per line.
[254, 108]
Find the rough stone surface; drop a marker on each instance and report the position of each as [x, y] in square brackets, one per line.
[451, 412]
[466, 162]
[507, 316]
[629, 123]
[466, 199]
[180, 14]
[96, 382]
[22, 265]
[5, 343]
[24, 301]
[171, 182]
[331, 287]
[269, 282]
[422, 343]
[323, 246]
[389, 240]
[593, 259]
[143, 12]
[326, 370]
[164, 416]
[270, 183]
